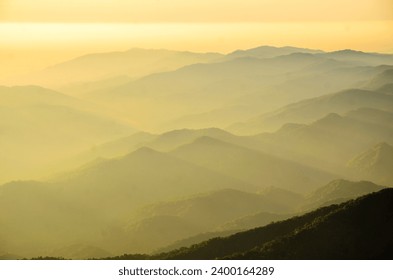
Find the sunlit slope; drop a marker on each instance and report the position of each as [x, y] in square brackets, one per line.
[374, 164]
[250, 165]
[39, 127]
[359, 229]
[133, 63]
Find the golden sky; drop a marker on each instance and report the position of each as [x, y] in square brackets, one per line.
[36, 33]
[194, 10]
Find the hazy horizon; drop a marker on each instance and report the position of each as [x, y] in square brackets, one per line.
[39, 34]
[132, 127]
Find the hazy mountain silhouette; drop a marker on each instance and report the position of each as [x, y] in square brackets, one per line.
[221, 117]
[39, 127]
[328, 143]
[111, 149]
[249, 165]
[102, 66]
[260, 84]
[334, 192]
[269, 52]
[339, 191]
[372, 116]
[164, 223]
[165, 142]
[102, 196]
[184, 213]
[382, 79]
[173, 139]
[311, 117]
[141, 177]
[207, 210]
[312, 109]
[359, 57]
[374, 164]
[295, 87]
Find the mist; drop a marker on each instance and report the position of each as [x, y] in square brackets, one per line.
[145, 151]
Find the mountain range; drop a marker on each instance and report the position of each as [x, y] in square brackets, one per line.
[146, 228]
[312, 109]
[85, 72]
[265, 153]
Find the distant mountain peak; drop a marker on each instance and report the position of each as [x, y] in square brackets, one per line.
[207, 140]
[340, 190]
[290, 127]
[299, 55]
[382, 152]
[383, 146]
[188, 132]
[329, 118]
[271, 51]
[145, 151]
[348, 51]
[374, 164]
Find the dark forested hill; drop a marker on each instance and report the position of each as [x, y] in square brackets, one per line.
[358, 229]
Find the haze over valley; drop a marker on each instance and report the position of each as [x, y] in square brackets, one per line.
[148, 151]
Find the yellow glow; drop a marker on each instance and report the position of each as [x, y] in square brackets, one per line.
[29, 46]
[37, 33]
[196, 10]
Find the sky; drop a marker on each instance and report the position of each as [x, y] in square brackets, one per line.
[37, 33]
[195, 10]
